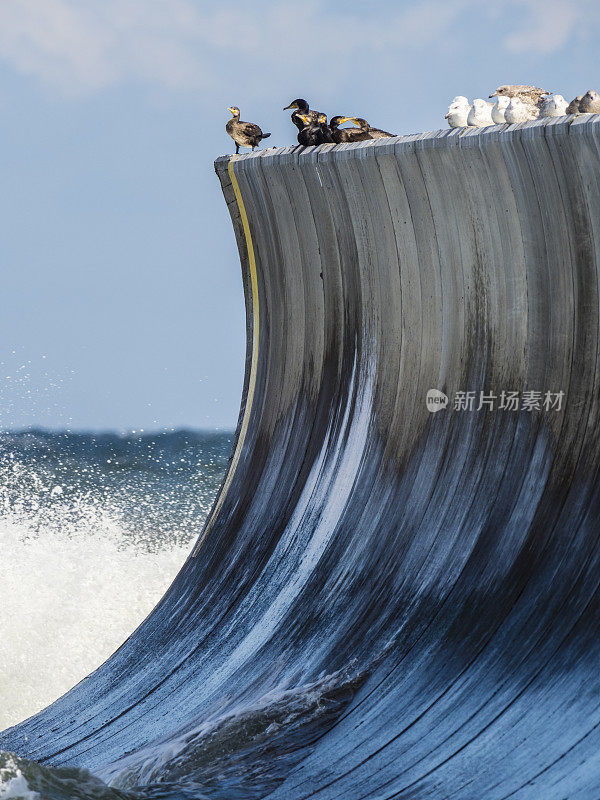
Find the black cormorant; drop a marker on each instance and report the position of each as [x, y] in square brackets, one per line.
[244, 134]
[374, 133]
[346, 134]
[311, 132]
[301, 107]
[327, 135]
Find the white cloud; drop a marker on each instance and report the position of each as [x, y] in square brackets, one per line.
[547, 27]
[85, 45]
[54, 42]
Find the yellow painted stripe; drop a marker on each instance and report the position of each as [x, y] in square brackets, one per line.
[254, 364]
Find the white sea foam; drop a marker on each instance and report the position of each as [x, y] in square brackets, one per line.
[212, 746]
[71, 594]
[13, 784]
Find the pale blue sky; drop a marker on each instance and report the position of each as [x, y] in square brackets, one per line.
[122, 302]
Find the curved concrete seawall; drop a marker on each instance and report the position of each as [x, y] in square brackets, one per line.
[432, 579]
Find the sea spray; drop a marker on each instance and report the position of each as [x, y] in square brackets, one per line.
[93, 529]
[69, 600]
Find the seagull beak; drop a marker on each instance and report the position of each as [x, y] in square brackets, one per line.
[447, 115]
[493, 94]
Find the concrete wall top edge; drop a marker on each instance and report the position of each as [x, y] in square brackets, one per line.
[462, 137]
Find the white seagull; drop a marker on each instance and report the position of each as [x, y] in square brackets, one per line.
[517, 111]
[458, 112]
[590, 103]
[554, 106]
[532, 96]
[480, 114]
[499, 109]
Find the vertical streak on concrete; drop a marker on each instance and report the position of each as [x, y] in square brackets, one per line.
[249, 395]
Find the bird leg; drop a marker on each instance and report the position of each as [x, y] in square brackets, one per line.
[237, 148]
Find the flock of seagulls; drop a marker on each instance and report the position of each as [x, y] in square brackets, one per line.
[518, 103]
[313, 128]
[514, 103]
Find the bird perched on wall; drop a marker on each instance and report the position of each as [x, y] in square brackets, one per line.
[499, 110]
[573, 107]
[312, 132]
[531, 96]
[590, 103]
[458, 112]
[554, 106]
[374, 133]
[480, 115]
[244, 134]
[518, 111]
[341, 135]
[325, 129]
[300, 106]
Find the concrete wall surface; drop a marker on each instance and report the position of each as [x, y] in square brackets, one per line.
[397, 602]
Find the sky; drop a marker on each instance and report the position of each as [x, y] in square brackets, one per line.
[122, 303]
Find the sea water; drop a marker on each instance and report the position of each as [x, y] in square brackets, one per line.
[93, 529]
